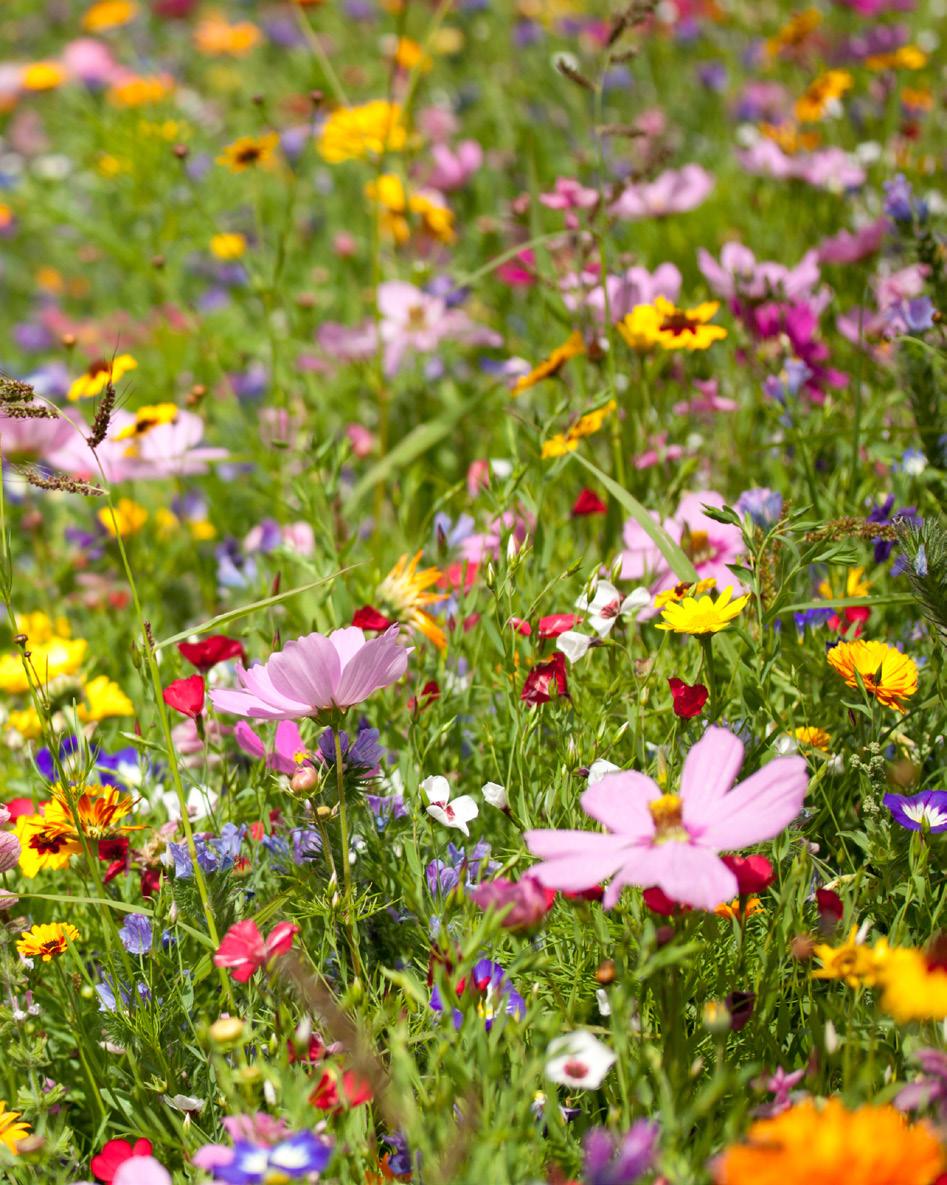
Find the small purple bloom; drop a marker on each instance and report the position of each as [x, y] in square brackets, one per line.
[620, 1161]
[898, 199]
[253, 1164]
[926, 811]
[136, 934]
[762, 505]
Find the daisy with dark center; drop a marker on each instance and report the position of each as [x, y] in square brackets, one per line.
[46, 941]
[99, 374]
[249, 152]
[146, 418]
[663, 324]
[52, 838]
[570, 348]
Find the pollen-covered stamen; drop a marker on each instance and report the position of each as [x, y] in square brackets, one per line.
[667, 813]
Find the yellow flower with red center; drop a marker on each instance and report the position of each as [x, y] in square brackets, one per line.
[587, 425]
[572, 347]
[917, 99]
[43, 76]
[370, 129]
[125, 518]
[47, 941]
[99, 374]
[216, 36]
[108, 14]
[830, 1145]
[663, 324]
[140, 90]
[407, 591]
[702, 615]
[395, 202]
[789, 137]
[250, 152]
[885, 673]
[820, 94]
[11, 1132]
[146, 418]
[43, 846]
[50, 839]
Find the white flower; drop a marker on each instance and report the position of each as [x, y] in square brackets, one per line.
[495, 795]
[598, 770]
[455, 814]
[578, 1059]
[607, 605]
[573, 645]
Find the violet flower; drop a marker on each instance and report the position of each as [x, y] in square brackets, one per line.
[622, 1160]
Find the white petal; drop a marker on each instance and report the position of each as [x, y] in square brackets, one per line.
[437, 788]
[598, 770]
[573, 645]
[495, 795]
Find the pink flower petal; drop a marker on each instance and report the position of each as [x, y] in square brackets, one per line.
[759, 808]
[620, 801]
[710, 769]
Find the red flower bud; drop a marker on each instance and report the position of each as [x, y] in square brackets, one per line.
[753, 873]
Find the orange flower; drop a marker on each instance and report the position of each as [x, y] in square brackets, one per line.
[885, 673]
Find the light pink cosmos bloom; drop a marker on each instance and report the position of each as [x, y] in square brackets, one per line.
[569, 194]
[315, 673]
[708, 402]
[673, 841]
[829, 168]
[27, 439]
[674, 192]
[244, 950]
[740, 275]
[412, 319]
[712, 546]
[635, 286]
[452, 168]
[288, 753]
[89, 61]
[850, 247]
[258, 1128]
[141, 1170]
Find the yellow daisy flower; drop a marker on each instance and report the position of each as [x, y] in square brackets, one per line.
[828, 88]
[885, 673]
[570, 348]
[852, 961]
[99, 374]
[813, 738]
[249, 152]
[702, 615]
[42, 76]
[140, 90]
[11, 1132]
[216, 36]
[47, 941]
[148, 417]
[353, 133]
[662, 324]
[587, 425]
[50, 660]
[104, 699]
[228, 246]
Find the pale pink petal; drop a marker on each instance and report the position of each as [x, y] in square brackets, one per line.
[141, 1170]
[710, 769]
[248, 740]
[244, 703]
[380, 662]
[576, 860]
[759, 808]
[620, 801]
[693, 875]
[306, 669]
[347, 642]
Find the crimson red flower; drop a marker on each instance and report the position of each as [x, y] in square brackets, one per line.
[596, 893]
[186, 695]
[328, 1096]
[106, 1163]
[753, 873]
[687, 699]
[150, 881]
[429, 693]
[660, 903]
[556, 624]
[244, 950]
[521, 626]
[210, 651]
[22, 806]
[314, 1052]
[830, 905]
[546, 679]
[459, 574]
[588, 502]
[855, 615]
[370, 620]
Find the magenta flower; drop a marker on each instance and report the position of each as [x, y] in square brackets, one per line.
[674, 192]
[524, 903]
[711, 546]
[314, 674]
[673, 841]
[244, 949]
[452, 168]
[288, 754]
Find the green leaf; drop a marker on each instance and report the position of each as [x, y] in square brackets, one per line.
[677, 561]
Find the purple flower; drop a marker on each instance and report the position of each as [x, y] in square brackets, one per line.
[364, 752]
[253, 1164]
[898, 199]
[926, 811]
[621, 1161]
[931, 1088]
[488, 980]
[136, 934]
[763, 506]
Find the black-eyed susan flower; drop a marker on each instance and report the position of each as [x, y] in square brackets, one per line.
[250, 152]
[572, 347]
[906, 57]
[395, 202]
[795, 32]
[353, 133]
[826, 1144]
[702, 614]
[47, 941]
[146, 418]
[885, 673]
[140, 90]
[664, 325]
[406, 591]
[99, 374]
[11, 1132]
[813, 738]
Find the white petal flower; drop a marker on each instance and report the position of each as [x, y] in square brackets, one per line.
[573, 645]
[607, 605]
[456, 814]
[578, 1059]
[495, 795]
[598, 770]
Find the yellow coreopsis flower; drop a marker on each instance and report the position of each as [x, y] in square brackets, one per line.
[409, 55]
[250, 152]
[828, 88]
[103, 699]
[907, 57]
[42, 76]
[353, 133]
[108, 14]
[855, 585]
[25, 722]
[662, 324]
[43, 846]
[128, 518]
[886, 674]
[852, 961]
[813, 738]
[99, 374]
[797, 30]
[570, 348]
[830, 1145]
[47, 941]
[39, 627]
[50, 660]
[587, 425]
[228, 246]
[395, 203]
[11, 1132]
[148, 417]
[702, 615]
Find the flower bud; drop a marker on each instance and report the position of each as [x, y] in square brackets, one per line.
[226, 1031]
[9, 851]
[304, 779]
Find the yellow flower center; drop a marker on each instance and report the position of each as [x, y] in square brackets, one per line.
[697, 546]
[667, 813]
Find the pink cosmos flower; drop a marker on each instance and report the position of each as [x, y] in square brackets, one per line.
[525, 901]
[712, 546]
[850, 247]
[21, 439]
[673, 841]
[142, 1170]
[244, 950]
[452, 168]
[708, 402]
[315, 673]
[740, 276]
[674, 192]
[288, 754]
[166, 450]
[635, 286]
[569, 195]
[412, 319]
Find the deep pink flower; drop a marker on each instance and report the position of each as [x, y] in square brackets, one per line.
[753, 873]
[244, 950]
[673, 841]
[208, 652]
[569, 194]
[712, 546]
[545, 680]
[315, 673]
[105, 1164]
[687, 699]
[289, 753]
[526, 901]
[847, 247]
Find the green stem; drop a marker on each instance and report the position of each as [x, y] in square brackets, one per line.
[706, 644]
[347, 905]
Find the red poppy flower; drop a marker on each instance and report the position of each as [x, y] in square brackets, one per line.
[328, 1096]
[244, 950]
[588, 502]
[687, 700]
[114, 1154]
[368, 618]
[186, 695]
[546, 679]
[753, 873]
[855, 615]
[556, 624]
[210, 651]
[522, 627]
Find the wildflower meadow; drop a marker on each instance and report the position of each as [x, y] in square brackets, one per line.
[473, 563]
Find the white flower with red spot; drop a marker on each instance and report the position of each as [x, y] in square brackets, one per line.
[456, 814]
[579, 1060]
[608, 604]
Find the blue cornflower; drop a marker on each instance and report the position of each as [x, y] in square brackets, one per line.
[136, 934]
[254, 1164]
[762, 505]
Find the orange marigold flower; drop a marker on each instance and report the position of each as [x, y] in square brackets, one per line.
[885, 673]
[47, 941]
